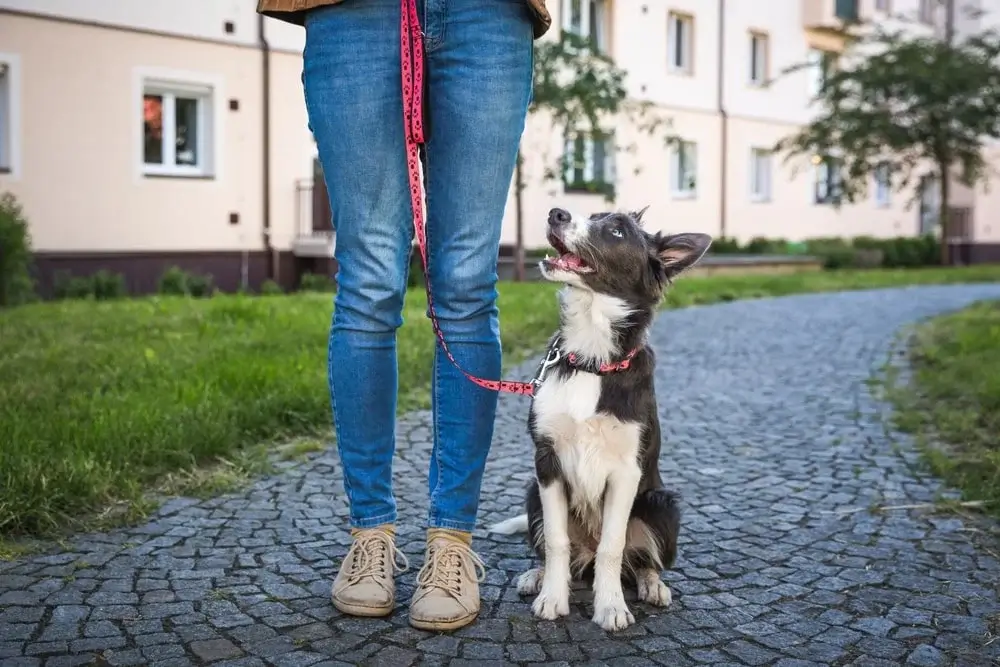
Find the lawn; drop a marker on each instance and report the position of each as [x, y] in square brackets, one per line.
[101, 401]
[952, 402]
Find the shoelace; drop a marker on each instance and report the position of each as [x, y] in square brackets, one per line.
[369, 551]
[444, 567]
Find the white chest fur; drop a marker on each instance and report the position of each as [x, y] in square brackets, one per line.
[590, 446]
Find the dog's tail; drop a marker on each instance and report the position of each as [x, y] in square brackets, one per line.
[517, 524]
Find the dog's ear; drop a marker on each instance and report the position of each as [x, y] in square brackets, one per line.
[678, 252]
[637, 215]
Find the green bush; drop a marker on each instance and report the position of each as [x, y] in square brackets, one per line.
[759, 245]
[838, 258]
[102, 285]
[174, 282]
[838, 252]
[68, 286]
[315, 282]
[270, 288]
[108, 285]
[725, 245]
[200, 286]
[16, 284]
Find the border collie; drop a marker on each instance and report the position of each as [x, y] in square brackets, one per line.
[597, 509]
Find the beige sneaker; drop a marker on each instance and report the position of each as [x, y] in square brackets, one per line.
[447, 595]
[365, 584]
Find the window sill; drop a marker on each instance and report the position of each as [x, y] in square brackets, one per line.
[598, 190]
[689, 194]
[760, 199]
[680, 71]
[178, 175]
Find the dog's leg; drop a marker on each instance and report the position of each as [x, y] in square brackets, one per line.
[652, 543]
[553, 598]
[610, 610]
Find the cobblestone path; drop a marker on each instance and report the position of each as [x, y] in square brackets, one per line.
[770, 434]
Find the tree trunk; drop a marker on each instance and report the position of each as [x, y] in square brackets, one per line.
[519, 219]
[944, 212]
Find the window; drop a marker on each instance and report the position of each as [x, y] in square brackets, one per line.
[587, 19]
[177, 132]
[684, 169]
[884, 6]
[760, 174]
[680, 34]
[589, 163]
[883, 185]
[758, 59]
[9, 107]
[926, 11]
[827, 185]
[821, 64]
[846, 10]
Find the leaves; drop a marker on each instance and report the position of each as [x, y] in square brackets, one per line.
[913, 102]
[583, 92]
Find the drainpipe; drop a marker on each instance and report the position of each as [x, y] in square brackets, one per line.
[724, 119]
[265, 52]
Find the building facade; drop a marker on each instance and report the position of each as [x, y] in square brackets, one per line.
[142, 135]
[711, 69]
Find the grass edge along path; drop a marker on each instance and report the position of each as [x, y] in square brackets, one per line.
[950, 402]
[103, 401]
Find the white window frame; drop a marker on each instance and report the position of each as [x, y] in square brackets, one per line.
[595, 30]
[761, 180]
[883, 185]
[823, 180]
[684, 170]
[589, 162]
[208, 90]
[10, 117]
[758, 61]
[675, 19]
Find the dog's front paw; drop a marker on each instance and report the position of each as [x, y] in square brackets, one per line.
[653, 591]
[550, 604]
[530, 582]
[613, 614]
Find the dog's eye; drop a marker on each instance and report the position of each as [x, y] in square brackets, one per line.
[617, 232]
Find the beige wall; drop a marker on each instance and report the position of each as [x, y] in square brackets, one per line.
[79, 175]
[789, 213]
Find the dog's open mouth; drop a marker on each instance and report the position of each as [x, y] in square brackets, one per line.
[566, 261]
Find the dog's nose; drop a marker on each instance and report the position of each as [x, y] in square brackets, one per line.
[558, 216]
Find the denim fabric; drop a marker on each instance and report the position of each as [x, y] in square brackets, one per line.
[479, 56]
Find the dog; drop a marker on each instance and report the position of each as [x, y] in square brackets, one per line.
[597, 509]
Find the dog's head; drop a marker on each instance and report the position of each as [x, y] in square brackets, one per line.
[611, 254]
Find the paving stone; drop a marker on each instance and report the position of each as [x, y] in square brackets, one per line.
[770, 434]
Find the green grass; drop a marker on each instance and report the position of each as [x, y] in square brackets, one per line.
[102, 401]
[952, 402]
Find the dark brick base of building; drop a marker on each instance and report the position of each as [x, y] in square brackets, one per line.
[229, 270]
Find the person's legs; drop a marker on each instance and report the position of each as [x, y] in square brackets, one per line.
[480, 65]
[352, 83]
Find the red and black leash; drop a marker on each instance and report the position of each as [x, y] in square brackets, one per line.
[412, 50]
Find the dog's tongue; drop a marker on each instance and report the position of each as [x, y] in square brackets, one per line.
[570, 260]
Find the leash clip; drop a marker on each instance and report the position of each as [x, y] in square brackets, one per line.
[550, 360]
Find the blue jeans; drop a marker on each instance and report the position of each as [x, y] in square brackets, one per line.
[479, 58]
